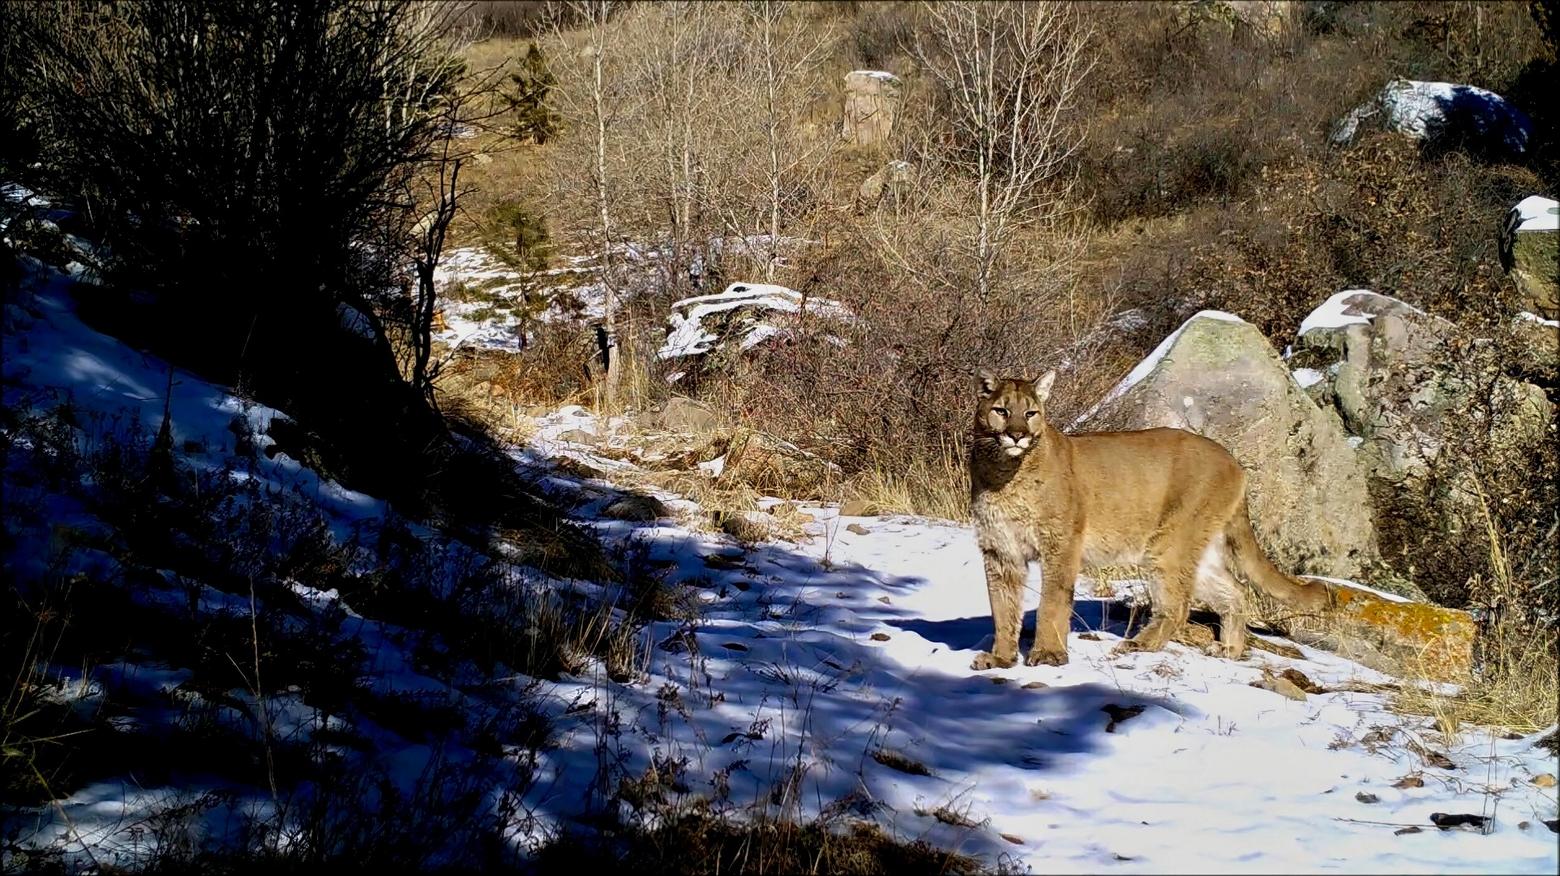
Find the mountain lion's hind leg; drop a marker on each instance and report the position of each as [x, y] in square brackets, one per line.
[1176, 559]
[1219, 589]
[1172, 605]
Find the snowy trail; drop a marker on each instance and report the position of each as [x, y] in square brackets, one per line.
[855, 640]
[837, 667]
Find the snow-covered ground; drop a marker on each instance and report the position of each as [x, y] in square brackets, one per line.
[474, 320]
[859, 638]
[689, 336]
[837, 666]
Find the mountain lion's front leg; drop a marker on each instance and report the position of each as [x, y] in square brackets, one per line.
[1005, 585]
[1060, 573]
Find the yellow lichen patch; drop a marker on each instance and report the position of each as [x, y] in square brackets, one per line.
[1427, 637]
[1410, 639]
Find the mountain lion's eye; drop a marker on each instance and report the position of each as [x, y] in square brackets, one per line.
[1030, 415]
[1001, 412]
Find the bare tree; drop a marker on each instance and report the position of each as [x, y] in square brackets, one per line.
[263, 150]
[1010, 75]
[673, 68]
[597, 11]
[590, 96]
[785, 56]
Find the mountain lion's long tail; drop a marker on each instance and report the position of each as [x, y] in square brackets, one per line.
[1259, 570]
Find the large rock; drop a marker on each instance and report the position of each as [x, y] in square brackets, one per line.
[775, 467]
[1218, 376]
[1530, 252]
[894, 177]
[1441, 113]
[1264, 19]
[740, 318]
[871, 102]
[1396, 377]
[1377, 363]
[1390, 633]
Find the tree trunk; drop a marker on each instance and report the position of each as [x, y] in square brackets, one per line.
[607, 337]
[773, 131]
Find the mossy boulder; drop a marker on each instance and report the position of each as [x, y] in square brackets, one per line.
[1218, 376]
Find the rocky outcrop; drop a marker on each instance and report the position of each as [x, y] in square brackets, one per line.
[1218, 376]
[740, 318]
[1268, 18]
[1530, 252]
[1375, 359]
[1441, 113]
[871, 103]
[893, 178]
[1397, 380]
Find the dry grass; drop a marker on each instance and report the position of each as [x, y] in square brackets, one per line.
[930, 486]
[1516, 682]
[702, 844]
[1516, 688]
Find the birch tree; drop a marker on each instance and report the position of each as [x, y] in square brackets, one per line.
[596, 96]
[784, 58]
[1009, 74]
[673, 67]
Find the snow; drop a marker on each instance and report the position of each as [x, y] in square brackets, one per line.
[1418, 109]
[844, 643]
[688, 336]
[16, 193]
[60, 359]
[486, 315]
[1390, 597]
[1149, 363]
[812, 655]
[354, 321]
[1307, 377]
[1334, 313]
[490, 321]
[1537, 213]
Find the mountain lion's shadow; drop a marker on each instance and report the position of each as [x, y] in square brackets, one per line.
[971, 633]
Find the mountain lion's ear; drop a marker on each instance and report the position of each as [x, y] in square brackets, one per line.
[988, 381]
[1043, 385]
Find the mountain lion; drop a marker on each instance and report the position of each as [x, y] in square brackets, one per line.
[1164, 498]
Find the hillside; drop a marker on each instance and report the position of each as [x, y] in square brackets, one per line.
[824, 674]
[533, 437]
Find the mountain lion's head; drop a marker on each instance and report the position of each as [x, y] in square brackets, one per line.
[1010, 415]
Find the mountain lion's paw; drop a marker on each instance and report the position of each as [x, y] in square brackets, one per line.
[1046, 657]
[1127, 646]
[988, 660]
[1228, 652]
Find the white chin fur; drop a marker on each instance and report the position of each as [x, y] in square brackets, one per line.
[1013, 451]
